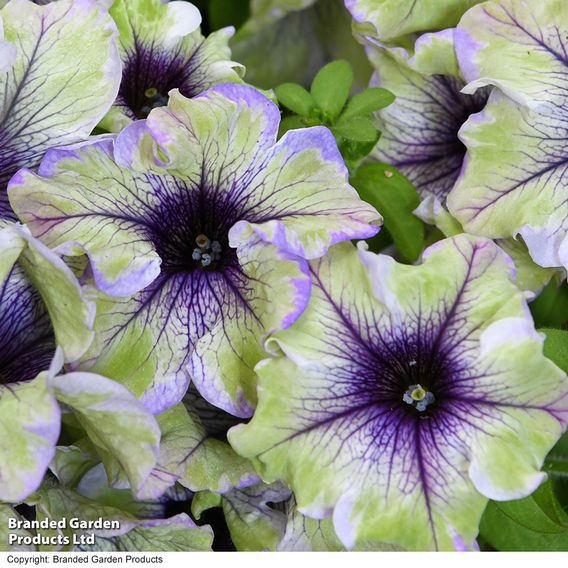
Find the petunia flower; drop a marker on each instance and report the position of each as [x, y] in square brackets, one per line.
[197, 225]
[514, 180]
[407, 396]
[290, 40]
[420, 129]
[161, 49]
[59, 73]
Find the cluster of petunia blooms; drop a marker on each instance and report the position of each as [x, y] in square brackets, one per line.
[186, 314]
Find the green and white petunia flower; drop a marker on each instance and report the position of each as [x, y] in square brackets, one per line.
[407, 396]
[162, 48]
[198, 226]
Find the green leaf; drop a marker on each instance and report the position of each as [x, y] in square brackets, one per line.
[359, 129]
[354, 152]
[331, 87]
[550, 309]
[290, 123]
[295, 98]
[534, 523]
[395, 198]
[556, 347]
[368, 101]
[224, 13]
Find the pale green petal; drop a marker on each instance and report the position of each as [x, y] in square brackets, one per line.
[389, 20]
[304, 534]
[123, 261]
[432, 54]
[254, 526]
[29, 424]
[175, 534]
[513, 178]
[71, 463]
[11, 246]
[114, 420]
[256, 516]
[178, 533]
[529, 275]
[70, 311]
[197, 455]
[518, 46]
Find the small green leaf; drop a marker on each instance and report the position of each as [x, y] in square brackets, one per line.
[359, 129]
[331, 87]
[536, 522]
[368, 101]
[295, 98]
[395, 198]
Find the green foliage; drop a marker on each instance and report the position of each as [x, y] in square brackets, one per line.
[396, 198]
[328, 104]
[550, 309]
[537, 522]
[224, 13]
[331, 87]
[556, 347]
[369, 100]
[295, 98]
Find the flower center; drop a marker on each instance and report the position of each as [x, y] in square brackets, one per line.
[208, 252]
[27, 340]
[147, 78]
[152, 99]
[419, 397]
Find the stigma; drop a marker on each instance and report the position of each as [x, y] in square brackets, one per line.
[207, 251]
[419, 397]
[153, 99]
